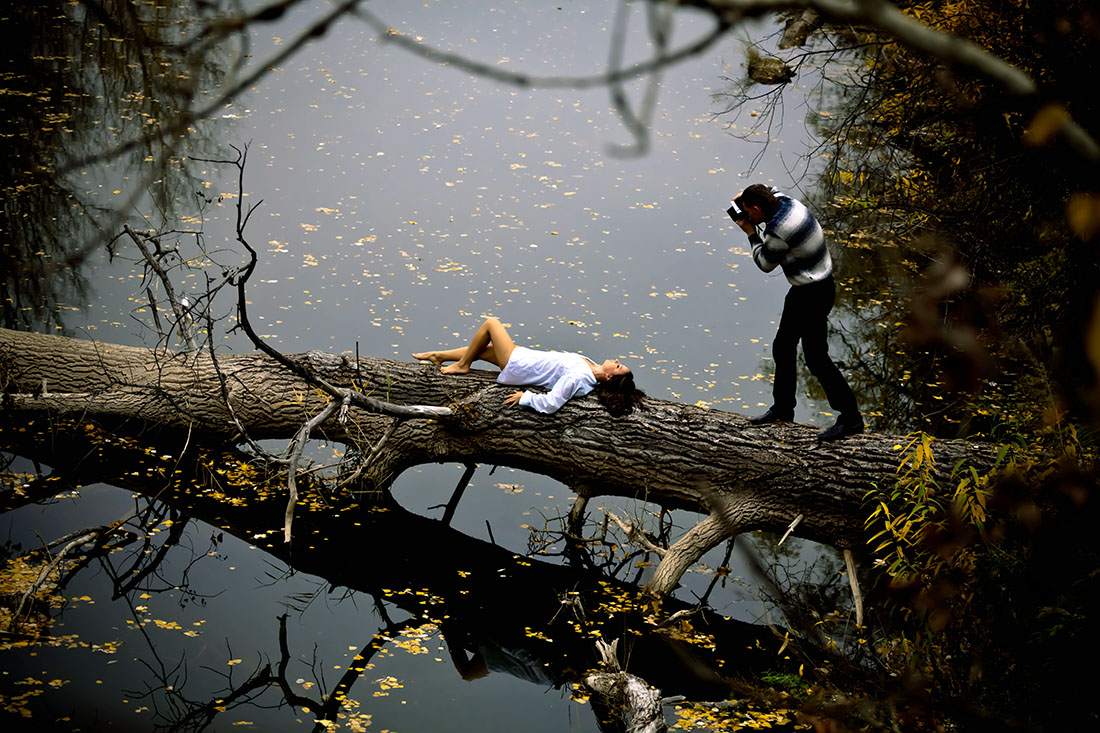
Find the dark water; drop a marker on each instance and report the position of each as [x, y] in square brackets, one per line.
[402, 201]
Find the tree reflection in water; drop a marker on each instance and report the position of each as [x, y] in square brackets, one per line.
[79, 79]
[495, 610]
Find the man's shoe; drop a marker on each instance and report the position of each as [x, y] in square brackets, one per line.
[773, 415]
[845, 425]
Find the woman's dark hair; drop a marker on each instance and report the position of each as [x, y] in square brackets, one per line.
[619, 395]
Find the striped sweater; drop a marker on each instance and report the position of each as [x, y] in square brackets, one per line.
[793, 240]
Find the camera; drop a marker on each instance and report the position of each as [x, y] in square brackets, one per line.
[735, 211]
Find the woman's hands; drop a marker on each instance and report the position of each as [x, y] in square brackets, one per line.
[513, 399]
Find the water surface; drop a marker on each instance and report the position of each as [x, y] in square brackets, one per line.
[402, 202]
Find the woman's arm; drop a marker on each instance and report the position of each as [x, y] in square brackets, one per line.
[551, 401]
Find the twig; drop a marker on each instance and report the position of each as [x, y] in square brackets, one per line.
[637, 705]
[374, 451]
[303, 372]
[682, 613]
[520, 79]
[633, 534]
[452, 505]
[189, 117]
[153, 310]
[224, 386]
[296, 449]
[718, 575]
[178, 309]
[857, 596]
[790, 529]
[88, 536]
[50, 567]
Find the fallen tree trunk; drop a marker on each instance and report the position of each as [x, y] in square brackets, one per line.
[740, 476]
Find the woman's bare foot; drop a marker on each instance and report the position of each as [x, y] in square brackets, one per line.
[455, 368]
[432, 356]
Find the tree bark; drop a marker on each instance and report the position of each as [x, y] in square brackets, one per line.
[679, 456]
[629, 699]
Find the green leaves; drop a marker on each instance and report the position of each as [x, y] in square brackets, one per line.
[902, 520]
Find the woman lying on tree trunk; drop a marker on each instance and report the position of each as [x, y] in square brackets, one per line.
[563, 373]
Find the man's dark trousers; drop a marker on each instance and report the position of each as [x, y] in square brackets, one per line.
[805, 318]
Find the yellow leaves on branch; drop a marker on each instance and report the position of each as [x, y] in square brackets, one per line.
[917, 454]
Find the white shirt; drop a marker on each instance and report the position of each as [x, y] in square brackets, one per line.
[564, 373]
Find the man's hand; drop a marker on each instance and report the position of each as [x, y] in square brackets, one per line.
[747, 226]
[513, 399]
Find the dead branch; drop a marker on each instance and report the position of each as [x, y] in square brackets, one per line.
[300, 370]
[853, 581]
[296, 448]
[179, 309]
[636, 535]
[82, 538]
[365, 461]
[189, 117]
[794, 523]
[630, 698]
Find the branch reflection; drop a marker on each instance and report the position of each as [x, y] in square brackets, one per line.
[493, 609]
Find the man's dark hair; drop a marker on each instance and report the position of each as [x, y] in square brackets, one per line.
[760, 195]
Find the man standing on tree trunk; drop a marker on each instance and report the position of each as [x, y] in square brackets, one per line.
[794, 241]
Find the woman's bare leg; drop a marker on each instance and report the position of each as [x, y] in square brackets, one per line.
[441, 357]
[490, 343]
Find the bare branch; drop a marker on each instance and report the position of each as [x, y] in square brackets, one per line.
[178, 308]
[296, 449]
[74, 542]
[636, 704]
[516, 78]
[300, 370]
[189, 117]
[853, 580]
[367, 459]
[910, 32]
[633, 534]
[794, 523]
